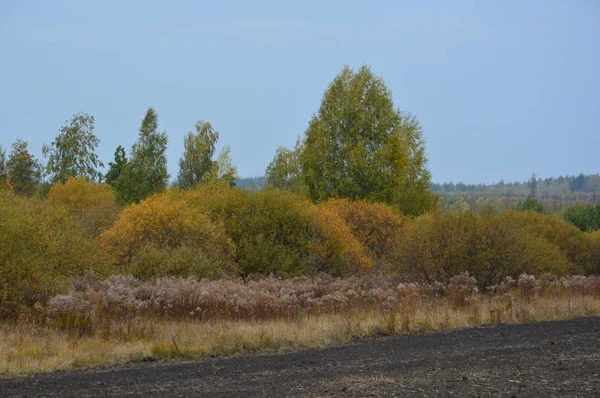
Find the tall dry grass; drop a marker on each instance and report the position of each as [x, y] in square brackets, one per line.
[121, 319]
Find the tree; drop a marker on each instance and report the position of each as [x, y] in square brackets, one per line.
[73, 152]
[197, 156]
[222, 171]
[578, 183]
[586, 218]
[23, 170]
[531, 204]
[533, 183]
[358, 146]
[285, 170]
[116, 168]
[146, 172]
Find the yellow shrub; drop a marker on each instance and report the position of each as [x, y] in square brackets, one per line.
[40, 248]
[438, 246]
[162, 233]
[92, 204]
[572, 242]
[278, 232]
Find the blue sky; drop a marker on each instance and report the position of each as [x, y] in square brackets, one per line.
[501, 89]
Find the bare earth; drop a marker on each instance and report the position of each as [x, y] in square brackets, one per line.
[554, 359]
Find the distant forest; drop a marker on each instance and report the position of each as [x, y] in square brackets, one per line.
[251, 182]
[547, 186]
[554, 193]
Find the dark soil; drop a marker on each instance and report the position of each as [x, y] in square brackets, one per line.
[554, 359]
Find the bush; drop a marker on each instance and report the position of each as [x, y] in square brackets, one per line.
[586, 218]
[278, 232]
[165, 235]
[376, 226]
[40, 248]
[574, 244]
[594, 239]
[438, 246]
[531, 204]
[93, 205]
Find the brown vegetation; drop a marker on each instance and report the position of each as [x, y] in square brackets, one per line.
[123, 319]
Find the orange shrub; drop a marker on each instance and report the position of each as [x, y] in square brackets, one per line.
[334, 244]
[376, 226]
[91, 203]
[278, 232]
[165, 235]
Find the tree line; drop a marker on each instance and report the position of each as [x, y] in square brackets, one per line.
[356, 146]
[134, 177]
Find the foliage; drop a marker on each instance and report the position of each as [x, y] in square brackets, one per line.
[584, 217]
[358, 146]
[574, 244]
[594, 239]
[164, 235]
[222, 171]
[40, 248]
[285, 170]
[116, 168]
[197, 156]
[374, 225]
[91, 203]
[146, 172]
[279, 232]
[72, 153]
[23, 170]
[439, 245]
[531, 204]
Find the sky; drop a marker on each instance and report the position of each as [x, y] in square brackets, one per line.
[501, 89]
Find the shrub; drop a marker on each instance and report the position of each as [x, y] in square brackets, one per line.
[40, 248]
[90, 203]
[438, 246]
[594, 239]
[584, 217]
[337, 251]
[376, 226]
[531, 204]
[574, 244]
[278, 232]
[165, 235]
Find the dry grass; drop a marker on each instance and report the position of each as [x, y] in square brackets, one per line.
[52, 343]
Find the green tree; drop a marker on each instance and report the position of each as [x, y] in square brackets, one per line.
[73, 152]
[285, 170]
[358, 146]
[531, 204]
[23, 170]
[197, 156]
[222, 171]
[116, 168]
[578, 183]
[146, 172]
[586, 218]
